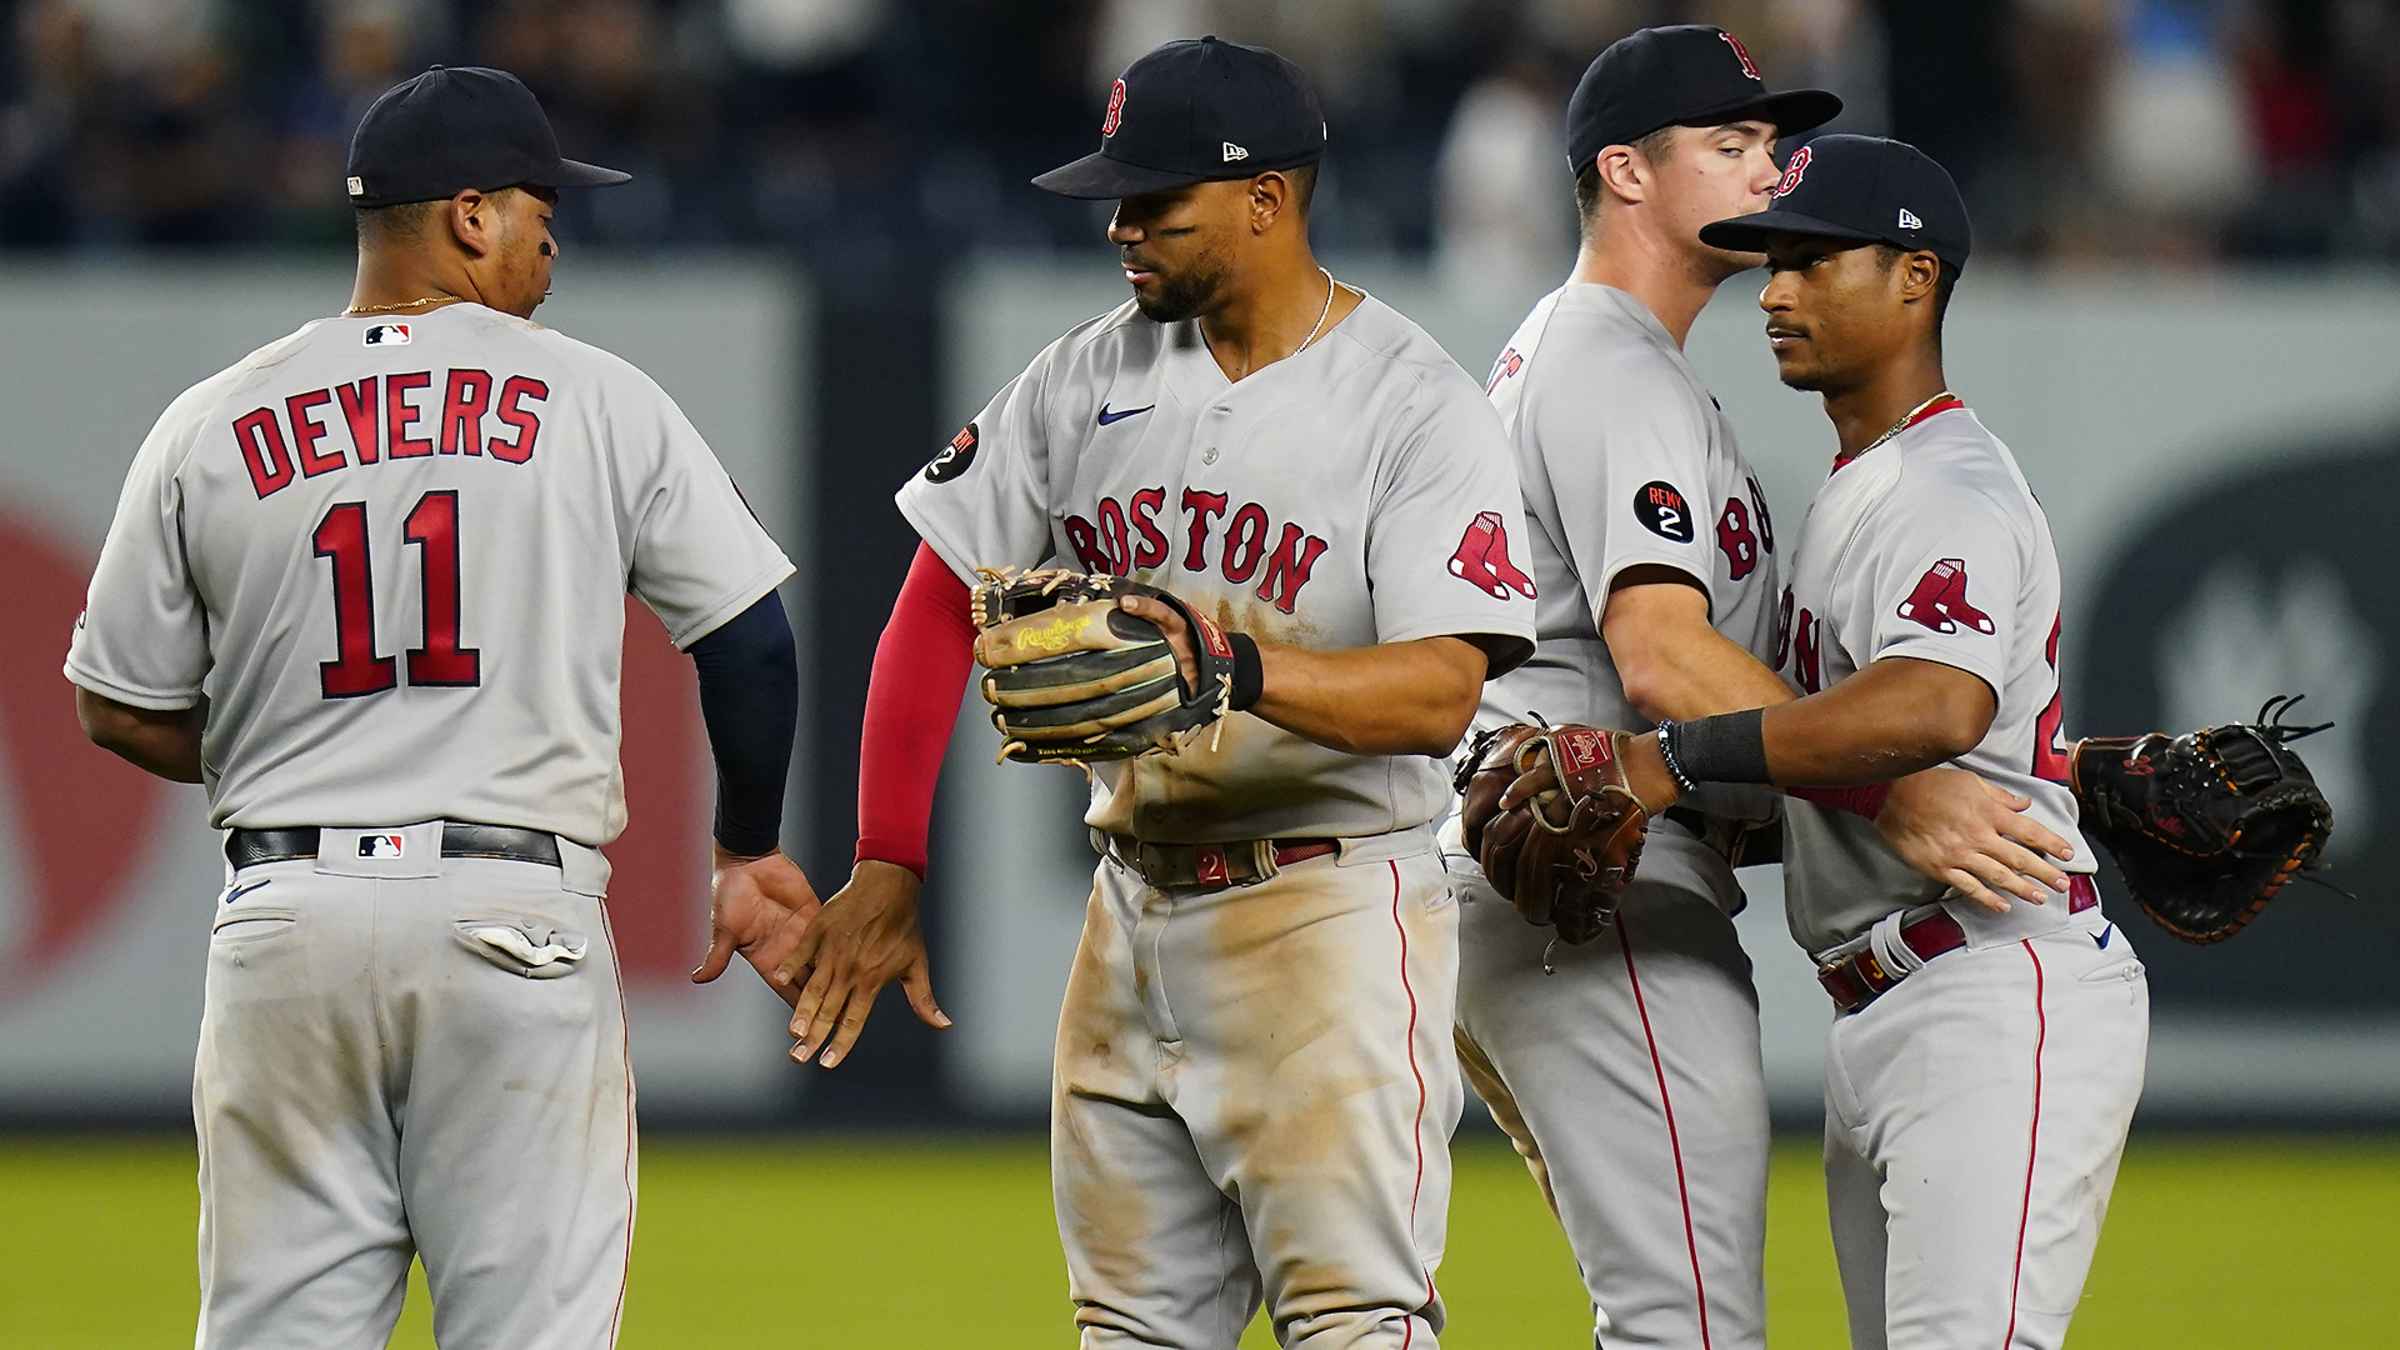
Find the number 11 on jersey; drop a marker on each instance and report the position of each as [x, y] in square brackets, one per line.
[341, 538]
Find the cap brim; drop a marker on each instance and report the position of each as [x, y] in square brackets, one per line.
[1749, 234]
[1096, 177]
[574, 173]
[1790, 112]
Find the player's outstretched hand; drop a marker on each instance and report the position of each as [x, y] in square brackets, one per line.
[749, 901]
[865, 937]
[1966, 833]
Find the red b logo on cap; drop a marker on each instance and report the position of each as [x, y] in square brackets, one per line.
[1116, 109]
[1749, 67]
[1792, 172]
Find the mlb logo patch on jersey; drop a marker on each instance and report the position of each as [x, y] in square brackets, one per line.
[388, 335]
[381, 846]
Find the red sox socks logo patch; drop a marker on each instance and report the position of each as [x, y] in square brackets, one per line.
[1508, 364]
[1940, 600]
[1482, 559]
[1792, 173]
[1116, 110]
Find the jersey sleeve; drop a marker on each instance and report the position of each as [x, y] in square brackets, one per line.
[142, 639]
[1446, 541]
[1941, 568]
[699, 554]
[984, 500]
[1628, 461]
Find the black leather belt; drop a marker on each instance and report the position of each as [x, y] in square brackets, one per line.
[248, 848]
[1214, 866]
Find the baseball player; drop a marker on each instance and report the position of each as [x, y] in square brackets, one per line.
[366, 586]
[1255, 1085]
[1630, 1079]
[1984, 1065]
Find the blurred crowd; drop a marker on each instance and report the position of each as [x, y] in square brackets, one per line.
[889, 131]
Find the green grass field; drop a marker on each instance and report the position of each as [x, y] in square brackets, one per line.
[2259, 1244]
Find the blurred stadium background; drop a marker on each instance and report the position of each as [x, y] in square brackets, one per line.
[2180, 315]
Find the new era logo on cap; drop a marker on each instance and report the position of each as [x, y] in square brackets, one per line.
[358, 186]
[1909, 221]
[1234, 152]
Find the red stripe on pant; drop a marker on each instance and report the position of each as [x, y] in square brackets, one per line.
[1658, 1066]
[2033, 1142]
[1418, 1139]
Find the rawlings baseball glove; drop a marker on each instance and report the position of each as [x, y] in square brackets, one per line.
[1564, 852]
[2206, 826]
[1073, 679]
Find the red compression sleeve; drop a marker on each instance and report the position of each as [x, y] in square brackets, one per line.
[912, 702]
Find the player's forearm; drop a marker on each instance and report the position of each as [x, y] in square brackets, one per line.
[1671, 661]
[1884, 723]
[165, 742]
[1698, 674]
[921, 666]
[1402, 698]
[750, 699]
[1894, 718]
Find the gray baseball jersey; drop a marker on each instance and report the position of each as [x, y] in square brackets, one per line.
[1626, 461]
[1353, 493]
[1931, 547]
[1975, 1114]
[392, 555]
[1356, 492]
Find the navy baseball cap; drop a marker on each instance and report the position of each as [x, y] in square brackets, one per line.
[1861, 188]
[1691, 74]
[1197, 111]
[459, 127]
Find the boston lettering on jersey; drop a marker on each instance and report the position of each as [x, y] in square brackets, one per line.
[396, 416]
[1128, 538]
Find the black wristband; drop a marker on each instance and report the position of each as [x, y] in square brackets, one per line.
[1727, 748]
[1249, 675]
[1668, 755]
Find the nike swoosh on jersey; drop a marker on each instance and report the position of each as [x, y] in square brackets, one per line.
[1107, 417]
[2100, 939]
[239, 891]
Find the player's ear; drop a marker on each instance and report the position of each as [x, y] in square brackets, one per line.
[1624, 172]
[1270, 196]
[1920, 275]
[474, 220]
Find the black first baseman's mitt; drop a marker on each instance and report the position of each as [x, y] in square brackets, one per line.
[1564, 853]
[2206, 826]
[1072, 679]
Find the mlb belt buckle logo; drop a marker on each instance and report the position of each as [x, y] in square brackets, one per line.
[381, 846]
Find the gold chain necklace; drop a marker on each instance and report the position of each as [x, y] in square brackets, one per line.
[418, 303]
[1896, 428]
[1902, 424]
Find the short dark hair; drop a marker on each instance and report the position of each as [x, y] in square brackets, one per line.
[1303, 178]
[1945, 282]
[1587, 177]
[401, 224]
